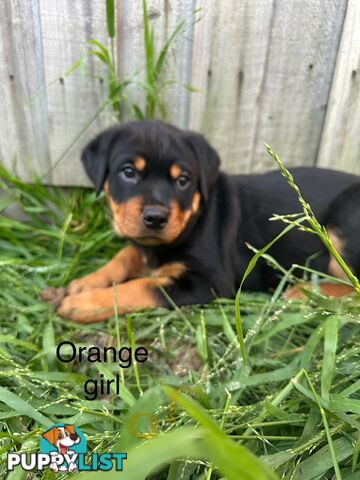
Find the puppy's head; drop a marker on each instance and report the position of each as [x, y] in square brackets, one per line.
[62, 436]
[155, 176]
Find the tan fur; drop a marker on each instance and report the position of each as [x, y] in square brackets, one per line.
[179, 218]
[195, 203]
[128, 263]
[175, 171]
[325, 288]
[99, 304]
[127, 221]
[139, 163]
[334, 268]
[127, 217]
[170, 270]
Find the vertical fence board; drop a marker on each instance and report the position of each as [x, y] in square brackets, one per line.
[301, 59]
[340, 142]
[178, 70]
[72, 100]
[23, 122]
[229, 57]
[269, 67]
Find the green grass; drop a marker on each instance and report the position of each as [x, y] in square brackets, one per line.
[291, 411]
[153, 85]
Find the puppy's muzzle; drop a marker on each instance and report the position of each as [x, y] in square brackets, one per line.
[155, 217]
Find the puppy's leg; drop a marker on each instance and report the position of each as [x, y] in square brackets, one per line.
[99, 304]
[343, 226]
[128, 263]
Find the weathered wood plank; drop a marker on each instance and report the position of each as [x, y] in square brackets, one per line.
[340, 141]
[180, 61]
[301, 59]
[229, 54]
[269, 67]
[73, 100]
[23, 122]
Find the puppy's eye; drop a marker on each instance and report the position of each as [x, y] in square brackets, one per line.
[129, 173]
[183, 181]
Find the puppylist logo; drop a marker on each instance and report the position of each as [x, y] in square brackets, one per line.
[63, 449]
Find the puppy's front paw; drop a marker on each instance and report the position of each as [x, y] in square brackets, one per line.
[53, 295]
[89, 282]
[90, 306]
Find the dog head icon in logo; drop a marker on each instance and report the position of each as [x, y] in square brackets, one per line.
[64, 442]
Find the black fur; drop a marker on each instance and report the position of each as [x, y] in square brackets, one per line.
[234, 210]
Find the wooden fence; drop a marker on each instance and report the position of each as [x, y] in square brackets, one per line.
[284, 72]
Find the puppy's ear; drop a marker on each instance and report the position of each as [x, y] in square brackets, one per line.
[208, 161]
[96, 157]
[51, 435]
[70, 428]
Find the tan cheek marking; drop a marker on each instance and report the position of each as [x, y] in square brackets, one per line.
[127, 217]
[176, 223]
[139, 163]
[334, 268]
[178, 218]
[175, 171]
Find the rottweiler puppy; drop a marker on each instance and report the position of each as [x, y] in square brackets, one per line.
[189, 225]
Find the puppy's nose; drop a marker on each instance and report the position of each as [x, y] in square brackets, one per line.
[155, 217]
[74, 437]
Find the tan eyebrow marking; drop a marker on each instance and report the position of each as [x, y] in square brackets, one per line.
[139, 163]
[175, 171]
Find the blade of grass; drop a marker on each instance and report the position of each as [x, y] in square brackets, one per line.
[131, 339]
[22, 407]
[110, 17]
[326, 426]
[314, 225]
[249, 269]
[328, 367]
[233, 460]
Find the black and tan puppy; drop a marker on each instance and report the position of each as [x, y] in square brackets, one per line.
[188, 224]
